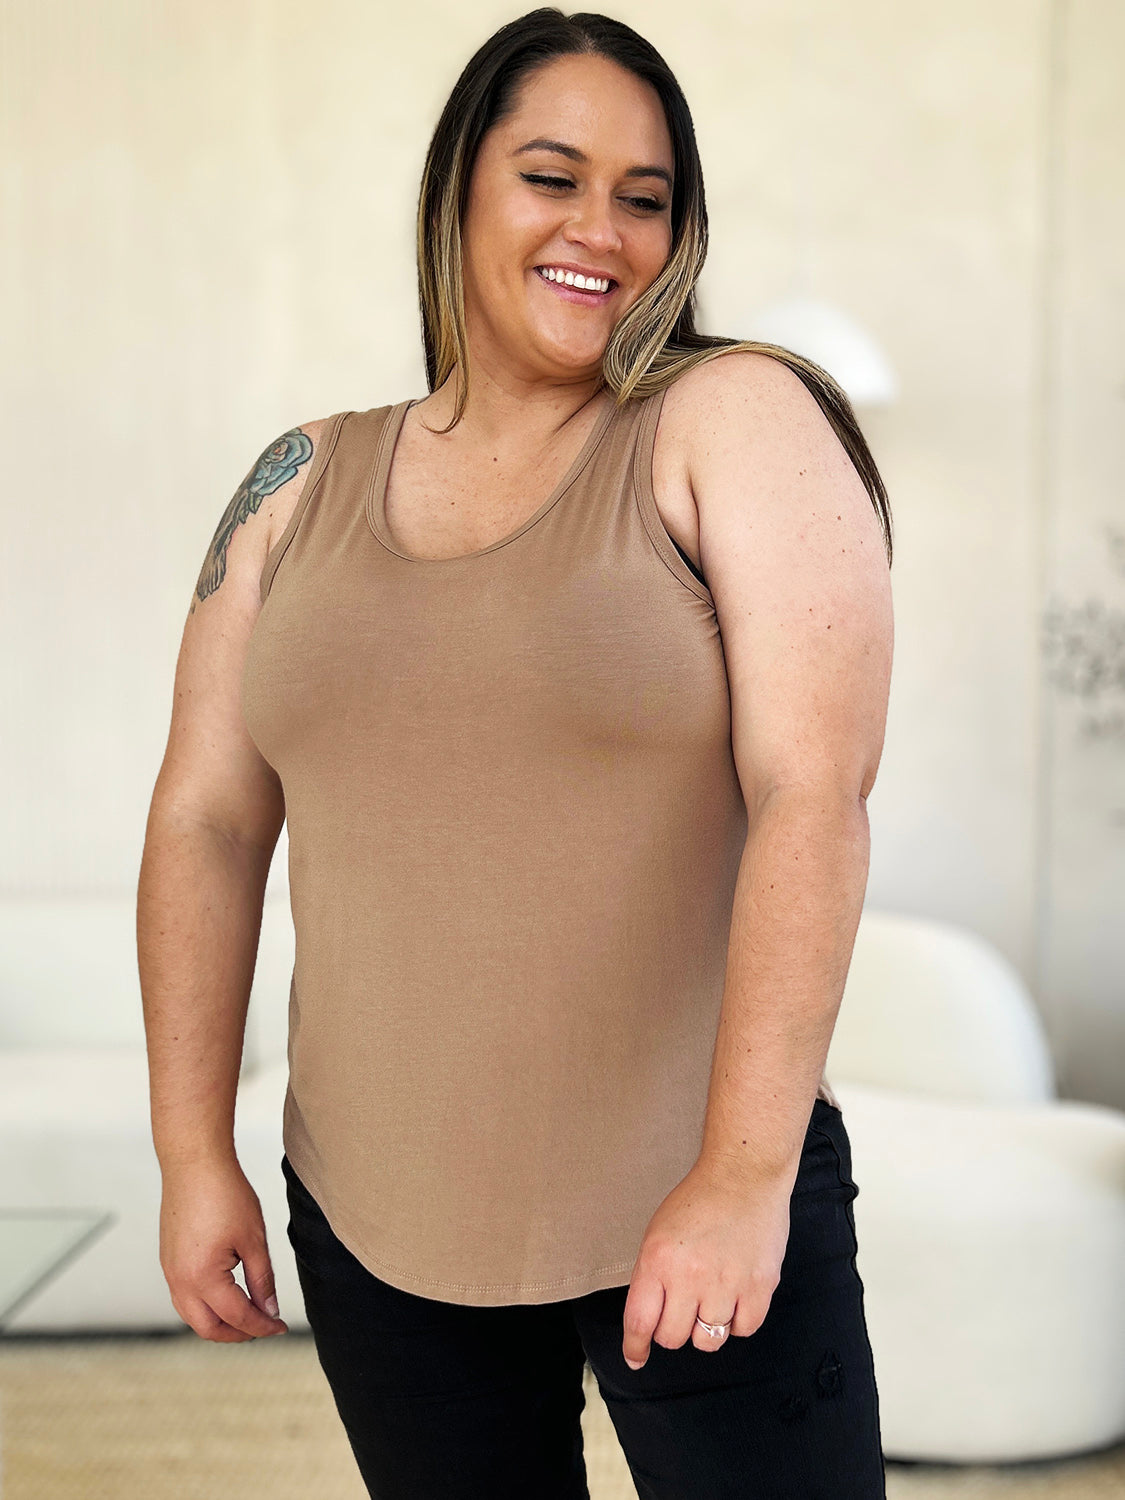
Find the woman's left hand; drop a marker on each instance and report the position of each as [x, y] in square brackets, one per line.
[713, 1248]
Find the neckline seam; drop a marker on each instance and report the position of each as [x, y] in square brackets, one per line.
[384, 457]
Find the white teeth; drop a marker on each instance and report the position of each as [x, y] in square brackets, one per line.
[576, 279]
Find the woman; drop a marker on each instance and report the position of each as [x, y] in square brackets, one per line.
[571, 680]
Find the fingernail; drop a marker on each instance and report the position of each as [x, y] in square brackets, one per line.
[271, 1306]
[630, 1363]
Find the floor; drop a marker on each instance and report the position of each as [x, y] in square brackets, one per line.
[177, 1418]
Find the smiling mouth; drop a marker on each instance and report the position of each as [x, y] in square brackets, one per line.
[585, 293]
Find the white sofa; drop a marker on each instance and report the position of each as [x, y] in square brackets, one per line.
[75, 1128]
[990, 1214]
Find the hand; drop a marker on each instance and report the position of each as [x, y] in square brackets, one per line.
[713, 1248]
[210, 1219]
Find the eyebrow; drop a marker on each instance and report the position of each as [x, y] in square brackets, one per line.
[540, 143]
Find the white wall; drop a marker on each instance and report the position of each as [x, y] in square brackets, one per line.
[210, 214]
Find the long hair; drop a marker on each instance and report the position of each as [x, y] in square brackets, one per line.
[655, 341]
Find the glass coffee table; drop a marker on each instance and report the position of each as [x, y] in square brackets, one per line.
[35, 1245]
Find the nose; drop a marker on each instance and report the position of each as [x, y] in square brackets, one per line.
[593, 224]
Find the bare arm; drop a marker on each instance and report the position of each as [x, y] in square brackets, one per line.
[793, 552]
[199, 913]
[216, 813]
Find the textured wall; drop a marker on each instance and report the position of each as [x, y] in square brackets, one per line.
[209, 238]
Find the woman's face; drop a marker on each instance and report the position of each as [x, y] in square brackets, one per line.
[608, 210]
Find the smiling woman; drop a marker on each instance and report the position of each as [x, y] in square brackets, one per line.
[569, 679]
[653, 340]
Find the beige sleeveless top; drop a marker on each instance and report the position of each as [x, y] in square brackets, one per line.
[515, 826]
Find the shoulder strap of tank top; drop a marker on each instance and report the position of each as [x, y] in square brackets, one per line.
[319, 463]
[666, 546]
[646, 426]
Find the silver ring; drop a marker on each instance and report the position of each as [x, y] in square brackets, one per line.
[716, 1330]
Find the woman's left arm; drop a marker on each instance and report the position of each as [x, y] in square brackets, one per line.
[793, 554]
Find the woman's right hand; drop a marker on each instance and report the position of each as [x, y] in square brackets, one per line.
[210, 1220]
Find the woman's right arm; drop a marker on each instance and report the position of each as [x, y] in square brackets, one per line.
[216, 813]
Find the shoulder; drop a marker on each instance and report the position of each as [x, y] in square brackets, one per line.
[283, 469]
[732, 410]
[736, 370]
[746, 415]
[776, 491]
[741, 391]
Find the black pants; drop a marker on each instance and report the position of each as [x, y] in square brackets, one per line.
[446, 1402]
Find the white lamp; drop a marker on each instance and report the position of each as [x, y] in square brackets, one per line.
[831, 339]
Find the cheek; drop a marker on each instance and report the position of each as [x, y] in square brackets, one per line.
[657, 248]
[514, 226]
[532, 228]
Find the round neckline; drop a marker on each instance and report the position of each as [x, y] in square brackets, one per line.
[376, 504]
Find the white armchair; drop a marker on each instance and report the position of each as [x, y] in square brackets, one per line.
[990, 1215]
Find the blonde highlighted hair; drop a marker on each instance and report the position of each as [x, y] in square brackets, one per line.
[655, 340]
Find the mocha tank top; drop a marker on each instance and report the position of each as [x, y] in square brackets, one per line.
[515, 827]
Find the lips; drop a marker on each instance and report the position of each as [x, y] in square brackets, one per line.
[588, 273]
[575, 294]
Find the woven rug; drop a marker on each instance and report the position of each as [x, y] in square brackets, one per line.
[173, 1417]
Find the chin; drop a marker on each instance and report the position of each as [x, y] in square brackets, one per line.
[589, 364]
[577, 357]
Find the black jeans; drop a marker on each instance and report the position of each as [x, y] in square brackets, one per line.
[445, 1402]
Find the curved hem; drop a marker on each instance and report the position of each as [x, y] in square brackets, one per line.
[466, 1293]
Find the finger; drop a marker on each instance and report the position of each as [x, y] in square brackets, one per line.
[749, 1316]
[678, 1319]
[230, 1302]
[260, 1283]
[205, 1321]
[643, 1307]
[709, 1342]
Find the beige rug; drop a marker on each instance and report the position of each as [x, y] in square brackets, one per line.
[178, 1418]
